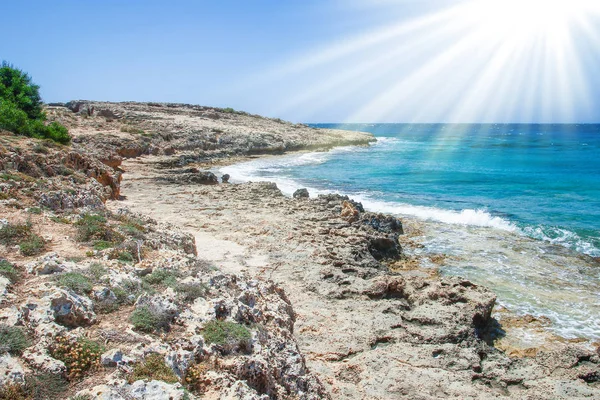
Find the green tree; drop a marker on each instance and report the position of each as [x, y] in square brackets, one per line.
[16, 87]
[21, 109]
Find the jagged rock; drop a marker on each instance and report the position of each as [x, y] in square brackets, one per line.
[114, 358]
[152, 390]
[382, 223]
[301, 194]
[71, 310]
[241, 391]
[39, 360]
[4, 284]
[11, 371]
[384, 248]
[92, 197]
[179, 361]
[349, 212]
[97, 170]
[163, 305]
[104, 296]
[49, 263]
[225, 178]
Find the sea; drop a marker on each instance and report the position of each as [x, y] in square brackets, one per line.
[514, 207]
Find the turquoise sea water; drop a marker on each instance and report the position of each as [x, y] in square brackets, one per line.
[517, 206]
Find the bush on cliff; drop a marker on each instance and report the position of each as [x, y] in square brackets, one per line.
[21, 107]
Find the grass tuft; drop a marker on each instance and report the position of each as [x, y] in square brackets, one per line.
[75, 281]
[153, 368]
[13, 340]
[8, 271]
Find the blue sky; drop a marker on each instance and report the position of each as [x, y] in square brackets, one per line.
[314, 60]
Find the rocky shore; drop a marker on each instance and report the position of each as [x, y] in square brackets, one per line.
[130, 271]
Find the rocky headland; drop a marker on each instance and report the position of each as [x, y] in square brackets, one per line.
[128, 270]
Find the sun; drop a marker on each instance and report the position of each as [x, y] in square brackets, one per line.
[524, 20]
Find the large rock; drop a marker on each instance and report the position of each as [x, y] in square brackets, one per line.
[11, 371]
[152, 390]
[301, 194]
[72, 310]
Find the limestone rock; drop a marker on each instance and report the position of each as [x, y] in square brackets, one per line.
[72, 310]
[11, 371]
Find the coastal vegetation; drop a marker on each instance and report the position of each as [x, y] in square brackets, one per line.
[21, 107]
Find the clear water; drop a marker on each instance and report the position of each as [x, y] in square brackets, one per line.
[517, 206]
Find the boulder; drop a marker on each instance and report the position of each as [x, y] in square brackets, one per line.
[72, 310]
[349, 212]
[11, 371]
[225, 178]
[301, 194]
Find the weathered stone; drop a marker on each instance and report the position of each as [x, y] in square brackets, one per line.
[301, 194]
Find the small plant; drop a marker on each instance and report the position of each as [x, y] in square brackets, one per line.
[230, 336]
[195, 377]
[162, 277]
[80, 356]
[13, 391]
[103, 245]
[10, 234]
[40, 148]
[60, 220]
[97, 271]
[45, 386]
[124, 256]
[133, 229]
[147, 320]
[153, 368]
[191, 291]
[75, 281]
[229, 110]
[34, 210]
[8, 271]
[32, 246]
[132, 129]
[13, 340]
[91, 226]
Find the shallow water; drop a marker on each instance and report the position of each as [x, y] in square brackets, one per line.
[517, 207]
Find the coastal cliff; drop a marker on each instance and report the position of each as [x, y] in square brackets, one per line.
[129, 271]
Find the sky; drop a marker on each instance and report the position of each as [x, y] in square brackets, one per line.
[320, 60]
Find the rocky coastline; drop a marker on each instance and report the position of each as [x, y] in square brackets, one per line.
[123, 250]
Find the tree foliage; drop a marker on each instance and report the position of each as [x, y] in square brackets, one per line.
[21, 109]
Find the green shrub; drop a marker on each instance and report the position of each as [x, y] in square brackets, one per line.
[147, 320]
[8, 271]
[191, 291]
[21, 107]
[229, 110]
[153, 368]
[34, 210]
[10, 234]
[80, 356]
[13, 340]
[75, 281]
[97, 271]
[60, 220]
[103, 245]
[92, 226]
[32, 246]
[17, 88]
[230, 336]
[161, 277]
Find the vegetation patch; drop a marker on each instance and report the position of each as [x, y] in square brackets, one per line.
[8, 271]
[103, 245]
[34, 210]
[60, 220]
[75, 281]
[29, 243]
[32, 246]
[230, 336]
[80, 356]
[191, 291]
[147, 320]
[13, 340]
[21, 107]
[96, 271]
[132, 129]
[153, 368]
[162, 277]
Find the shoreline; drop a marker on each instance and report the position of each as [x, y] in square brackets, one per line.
[337, 305]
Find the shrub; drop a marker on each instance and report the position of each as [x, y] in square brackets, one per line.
[8, 271]
[103, 245]
[12, 339]
[32, 246]
[229, 110]
[80, 356]
[21, 107]
[45, 386]
[34, 210]
[153, 368]
[75, 281]
[124, 255]
[230, 336]
[60, 220]
[161, 277]
[191, 291]
[195, 377]
[11, 233]
[146, 320]
[97, 271]
[17, 88]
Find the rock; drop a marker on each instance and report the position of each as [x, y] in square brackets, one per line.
[40, 361]
[301, 194]
[382, 223]
[225, 178]
[92, 197]
[104, 297]
[11, 371]
[152, 390]
[384, 248]
[349, 212]
[49, 263]
[179, 361]
[72, 310]
[114, 358]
